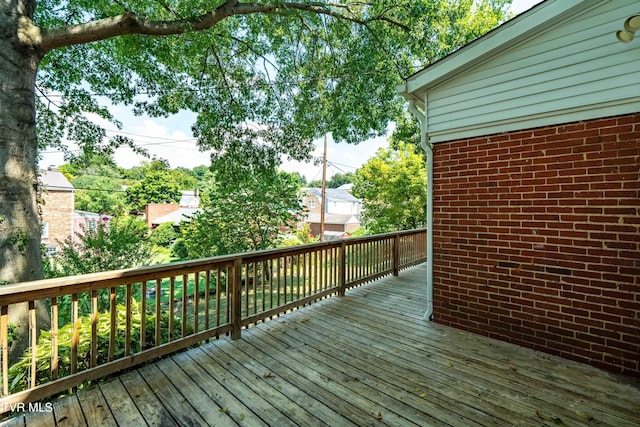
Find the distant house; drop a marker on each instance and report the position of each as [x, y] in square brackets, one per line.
[60, 220]
[333, 223]
[339, 201]
[342, 211]
[83, 220]
[175, 213]
[57, 210]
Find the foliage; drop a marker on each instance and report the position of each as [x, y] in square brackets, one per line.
[335, 181]
[296, 71]
[179, 249]
[407, 132]
[156, 187]
[243, 214]
[340, 179]
[100, 194]
[121, 243]
[163, 235]
[392, 186]
[19, 372]
[265, 78]
[298, 237]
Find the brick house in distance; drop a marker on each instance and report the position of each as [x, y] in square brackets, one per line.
[57, 209]
[59, 218]
[532, 134]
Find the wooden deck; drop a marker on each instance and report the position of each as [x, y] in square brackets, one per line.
[366, 359]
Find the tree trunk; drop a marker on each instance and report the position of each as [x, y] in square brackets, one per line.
[19, 222]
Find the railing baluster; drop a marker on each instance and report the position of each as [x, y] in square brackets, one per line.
[236, 298]
[255, 288]
[143, 313]
[4, 344]
[183, 329]
[94, 328]
[127, 332]
[263, 282]
[278, 279]
[207, 293]
[112, 325]
[196, 301]
[54, 338]
[75, 338]
[172, 291]
[218, 296]
[158, 335]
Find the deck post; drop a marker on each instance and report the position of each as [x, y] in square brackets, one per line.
[396, 254]
[342, 268]
[236, 299]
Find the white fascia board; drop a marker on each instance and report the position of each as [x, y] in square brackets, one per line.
[508, 34]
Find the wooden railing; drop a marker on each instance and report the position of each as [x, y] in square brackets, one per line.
[104, 322]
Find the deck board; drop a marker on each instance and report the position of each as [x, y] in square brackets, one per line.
[366, 359]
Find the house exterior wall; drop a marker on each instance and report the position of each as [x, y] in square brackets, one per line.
[57, 217]
[153, 211]
[572, 68]
[311, 203]
[537, 239]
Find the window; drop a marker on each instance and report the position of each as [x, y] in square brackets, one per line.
[50, 251]
[312, 204]
[92, 225]
[44, 230]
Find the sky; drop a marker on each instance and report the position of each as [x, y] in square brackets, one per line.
[171, 139]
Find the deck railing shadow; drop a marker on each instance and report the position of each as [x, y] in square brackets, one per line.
[105, 322]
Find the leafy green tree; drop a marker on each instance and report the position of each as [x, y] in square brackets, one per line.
[392, 186]
[163, 234]
[120, 243]
[243, 215]
[100, 194]
[264, 76]
[184, 178]
[340, 179]
[156, 187]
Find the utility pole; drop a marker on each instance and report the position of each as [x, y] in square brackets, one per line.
[324, 188]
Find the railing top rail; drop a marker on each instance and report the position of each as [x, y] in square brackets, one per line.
[46, 288]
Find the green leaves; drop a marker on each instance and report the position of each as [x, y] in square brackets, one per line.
[392, 186]
[122, 243]
[275, 79]
[156, 187]
[244, 213]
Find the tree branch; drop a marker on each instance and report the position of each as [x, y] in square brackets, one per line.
[130, 23]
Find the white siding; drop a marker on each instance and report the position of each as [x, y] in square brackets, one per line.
[573, 71]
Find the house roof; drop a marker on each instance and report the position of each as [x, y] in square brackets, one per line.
[332, 194]
[176, 217]
[340, 219]
[90, 215]
[55, 180]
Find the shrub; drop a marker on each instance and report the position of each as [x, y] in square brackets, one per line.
[179, 249]
[163, 235]
[19, 378]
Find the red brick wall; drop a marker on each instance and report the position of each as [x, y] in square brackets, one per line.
[153, 211]
[57, 212]
[537, 239]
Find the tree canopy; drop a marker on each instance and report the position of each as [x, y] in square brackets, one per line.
[245, 214]
[264, 77]
[392, 186]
